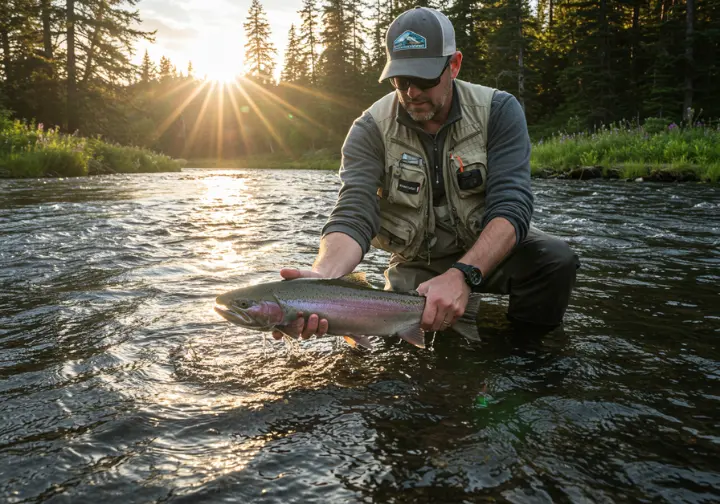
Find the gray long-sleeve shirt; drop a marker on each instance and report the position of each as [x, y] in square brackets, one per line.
[508, 192]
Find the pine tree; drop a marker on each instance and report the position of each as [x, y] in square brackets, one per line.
[294, 69]
[259, 51]
[166, 69]
[381, 20]
[147, 69]
[689, 64]
[190, 70]
[357, 34]
[308, 39]
[71, 115]
[502, 26]
[106, 36]
[334, 67]
[471, 37]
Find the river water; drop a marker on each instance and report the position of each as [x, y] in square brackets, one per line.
[118, 383]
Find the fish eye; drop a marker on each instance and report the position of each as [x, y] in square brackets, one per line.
[244, 304]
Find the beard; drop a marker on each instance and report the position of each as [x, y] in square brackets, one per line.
[436, 105]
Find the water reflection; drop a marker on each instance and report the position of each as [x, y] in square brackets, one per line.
[120, 383]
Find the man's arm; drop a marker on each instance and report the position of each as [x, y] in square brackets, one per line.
[508, 193]
[355, 219]
[495, 242]
[338, 255]
[508, 199]
[508, 209]
[357, 211]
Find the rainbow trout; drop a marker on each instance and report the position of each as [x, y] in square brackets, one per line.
[353, 308]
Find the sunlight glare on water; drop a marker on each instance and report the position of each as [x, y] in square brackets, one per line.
[119, 383]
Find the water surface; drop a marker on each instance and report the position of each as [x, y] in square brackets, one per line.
[118, 381]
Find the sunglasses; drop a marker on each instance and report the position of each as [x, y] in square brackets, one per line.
[403, 83]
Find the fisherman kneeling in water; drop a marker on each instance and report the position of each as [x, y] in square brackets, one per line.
[438, 174]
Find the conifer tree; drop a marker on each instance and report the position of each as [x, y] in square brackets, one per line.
[165, 71]
[308, 38]
[259, 51]
[334, 61]
[147, 69]
[357, 34]
[381, 18]
[107, 32]
[71, 114]
[294, 69]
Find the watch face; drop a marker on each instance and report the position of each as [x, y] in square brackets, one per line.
[475, 277]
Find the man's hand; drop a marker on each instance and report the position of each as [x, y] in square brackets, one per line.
[314, 326]
[446, 297]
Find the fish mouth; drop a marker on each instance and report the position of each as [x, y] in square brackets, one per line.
[235, 316]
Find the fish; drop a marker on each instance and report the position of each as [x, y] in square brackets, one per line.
[353, 308]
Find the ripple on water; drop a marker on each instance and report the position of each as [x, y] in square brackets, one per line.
[120, 383]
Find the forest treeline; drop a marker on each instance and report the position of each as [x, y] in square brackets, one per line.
[573, 64]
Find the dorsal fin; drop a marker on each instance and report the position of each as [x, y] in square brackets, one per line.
[357, 278]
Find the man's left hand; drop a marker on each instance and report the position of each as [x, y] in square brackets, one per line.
[446, 297]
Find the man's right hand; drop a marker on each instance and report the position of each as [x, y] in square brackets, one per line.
[314, 325]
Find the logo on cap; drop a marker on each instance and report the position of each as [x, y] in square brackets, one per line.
[409, 40]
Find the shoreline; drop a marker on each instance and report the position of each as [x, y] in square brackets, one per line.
[630, 171]
[637, 172]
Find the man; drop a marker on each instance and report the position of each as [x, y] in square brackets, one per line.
[437, 173]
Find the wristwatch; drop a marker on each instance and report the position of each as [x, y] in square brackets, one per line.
[473, 276]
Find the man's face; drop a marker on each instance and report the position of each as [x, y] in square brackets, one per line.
[423, 105]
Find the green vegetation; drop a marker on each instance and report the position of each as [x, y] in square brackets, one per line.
[573, 65]
[33, 151]
[71, 64]
[654, 151]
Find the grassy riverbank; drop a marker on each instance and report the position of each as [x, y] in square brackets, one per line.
[654, 151]
[33, 151]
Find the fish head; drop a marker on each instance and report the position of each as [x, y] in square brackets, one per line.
[250, 307]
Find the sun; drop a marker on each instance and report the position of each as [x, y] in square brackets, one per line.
[218, 56]
[222, 75]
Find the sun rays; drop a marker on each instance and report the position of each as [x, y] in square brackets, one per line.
[254, 112]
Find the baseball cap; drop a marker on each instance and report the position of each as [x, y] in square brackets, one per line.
[418, 43]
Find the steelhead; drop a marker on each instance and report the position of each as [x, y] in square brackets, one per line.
[353, 308]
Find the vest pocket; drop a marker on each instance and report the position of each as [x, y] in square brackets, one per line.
[407, 185]
[395, 235]
[468, 181]
[469, 175]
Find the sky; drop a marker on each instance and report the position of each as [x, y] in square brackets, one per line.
[210, 33]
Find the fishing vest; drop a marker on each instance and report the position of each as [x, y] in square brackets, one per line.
[407, 219]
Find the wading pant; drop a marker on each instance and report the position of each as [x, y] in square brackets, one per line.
[538, 274]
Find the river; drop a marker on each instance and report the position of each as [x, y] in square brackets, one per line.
[118, 382]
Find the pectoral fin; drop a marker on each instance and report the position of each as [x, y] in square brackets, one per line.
[289, 313]
[354, 341]
[290, 330]
[414, 335]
